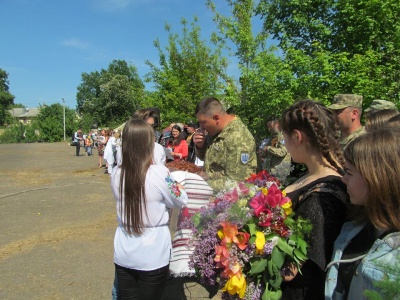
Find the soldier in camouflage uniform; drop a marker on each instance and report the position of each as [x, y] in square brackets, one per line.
[274, 152]
[348, 110]
[228, 150]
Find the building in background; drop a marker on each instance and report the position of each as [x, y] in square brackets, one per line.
[24, 115]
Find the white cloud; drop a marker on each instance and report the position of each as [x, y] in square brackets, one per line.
[114, 5]
[75, 43]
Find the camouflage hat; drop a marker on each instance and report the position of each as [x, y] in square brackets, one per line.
[341, 101]
[379, 104]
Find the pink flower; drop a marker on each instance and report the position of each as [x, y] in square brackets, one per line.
[221, 256]
[232, 196]
[258, 203]
[275, 197]
[244, 190]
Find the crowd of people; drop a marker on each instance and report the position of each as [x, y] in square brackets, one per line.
[348, 189]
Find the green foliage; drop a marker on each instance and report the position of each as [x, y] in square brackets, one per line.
[345, 46]
[188, 71]
[110, 96]
[267, 83]
[50, 122]
[14, 133]
[6, 98]
[324, 48]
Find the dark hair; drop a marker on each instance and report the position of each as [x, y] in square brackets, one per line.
[144, 114]
[273, 119]
[180, 136]
[319, 124]
[393, 121]
[209, 106]
[137, 156]
[379, 118]
[376, 155]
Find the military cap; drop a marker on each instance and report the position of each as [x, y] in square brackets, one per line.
[341, 101]
[379, 104]
[191, 124]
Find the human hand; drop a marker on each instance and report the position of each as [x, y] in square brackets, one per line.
[180, 186]
[199, 138]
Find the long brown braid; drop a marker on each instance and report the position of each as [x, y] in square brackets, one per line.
[319, 124]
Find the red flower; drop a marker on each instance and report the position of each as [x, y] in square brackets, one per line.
[265, 218]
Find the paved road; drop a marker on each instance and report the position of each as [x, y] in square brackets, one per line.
[57, 220]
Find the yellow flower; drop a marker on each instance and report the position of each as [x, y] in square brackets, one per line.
[220, 234]
[260, 242]
[284, 193]
[236, 285]
[264, 191]
[287, 207]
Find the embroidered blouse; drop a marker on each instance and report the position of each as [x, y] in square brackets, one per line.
[150, 250]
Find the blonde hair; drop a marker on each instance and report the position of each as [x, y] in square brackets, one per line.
[376, 155]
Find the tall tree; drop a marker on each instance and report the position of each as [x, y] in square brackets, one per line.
[109, 96]
[189, 69]
[6, 98]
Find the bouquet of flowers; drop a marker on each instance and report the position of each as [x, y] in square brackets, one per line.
[245, 238]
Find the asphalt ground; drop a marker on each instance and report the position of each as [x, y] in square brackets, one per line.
[57, 224]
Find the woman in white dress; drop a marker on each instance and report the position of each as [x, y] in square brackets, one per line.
[144, 193]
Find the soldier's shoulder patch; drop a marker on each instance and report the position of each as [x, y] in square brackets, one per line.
[244, 157]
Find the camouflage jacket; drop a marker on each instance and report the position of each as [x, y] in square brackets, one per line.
[274, 153]
[229, 156]
[346, 140]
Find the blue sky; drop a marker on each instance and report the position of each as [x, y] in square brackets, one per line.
[47, 44]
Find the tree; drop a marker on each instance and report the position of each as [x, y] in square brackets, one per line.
[50, 122]
[266, 81]
[6, 98]
[189, 69]
[345, 46]
[110, 96]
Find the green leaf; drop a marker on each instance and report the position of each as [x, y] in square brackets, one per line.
[272, 295]
[258, 266]
[277, 282]
[252, 228]
[300, 254]
[285, 247]
[196, 219]
[270, 268]
[278, 257]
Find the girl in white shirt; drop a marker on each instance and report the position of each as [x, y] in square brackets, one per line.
[144, 193]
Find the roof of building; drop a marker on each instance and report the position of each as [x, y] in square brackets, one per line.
[24, 112]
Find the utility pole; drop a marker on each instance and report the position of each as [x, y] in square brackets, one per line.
[64, 115]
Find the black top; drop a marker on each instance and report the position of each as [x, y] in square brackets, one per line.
[324, 202]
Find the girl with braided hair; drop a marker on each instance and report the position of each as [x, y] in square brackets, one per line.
[310, 136]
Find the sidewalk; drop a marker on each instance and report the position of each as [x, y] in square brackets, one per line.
[57, 221]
